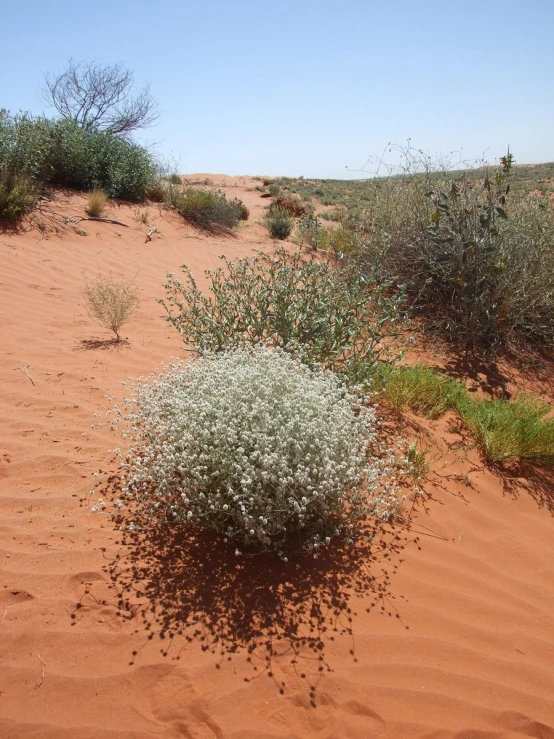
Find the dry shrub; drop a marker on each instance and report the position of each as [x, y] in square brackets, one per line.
[96, 203]
[293, 205]
[110, 303]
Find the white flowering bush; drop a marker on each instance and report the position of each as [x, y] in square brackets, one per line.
[257, 446]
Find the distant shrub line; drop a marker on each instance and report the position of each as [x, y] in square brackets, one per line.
[47, 152]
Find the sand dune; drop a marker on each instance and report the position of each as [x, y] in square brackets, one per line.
[434, 635]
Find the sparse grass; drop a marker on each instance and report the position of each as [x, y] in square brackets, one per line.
[110, 303]
[97, 201]
[418, 464]
[174, 179]
[279, 223]
[505, 430]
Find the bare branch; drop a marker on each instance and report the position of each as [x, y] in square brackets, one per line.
[100, 98]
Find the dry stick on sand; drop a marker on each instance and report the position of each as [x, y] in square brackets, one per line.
[93, 218]
[411, 522]
[41, 679]
[28, 375]
[70, 219]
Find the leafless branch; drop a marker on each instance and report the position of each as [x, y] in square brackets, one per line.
[100, 98]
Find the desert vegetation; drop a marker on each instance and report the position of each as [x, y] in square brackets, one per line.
[110, 302]
[324, 314]
[473, 248]
[278, 461]
[506, 430]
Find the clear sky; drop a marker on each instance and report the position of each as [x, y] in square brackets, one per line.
[304, 87]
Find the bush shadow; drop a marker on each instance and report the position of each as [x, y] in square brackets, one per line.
[184, 585]
[90, 344]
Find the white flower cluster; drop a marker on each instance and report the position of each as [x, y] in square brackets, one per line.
[256, 446]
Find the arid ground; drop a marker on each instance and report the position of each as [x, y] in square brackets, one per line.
[439, 629]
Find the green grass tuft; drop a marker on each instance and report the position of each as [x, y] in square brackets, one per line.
[421, 389]
[505, 430]
[511, 430]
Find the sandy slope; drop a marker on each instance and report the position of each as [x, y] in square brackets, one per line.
[171, 636]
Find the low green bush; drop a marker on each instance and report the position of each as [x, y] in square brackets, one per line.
[206, 209]
[257, 447]
[17, 197]
[279, 222]
[322, 314]
[61, 153]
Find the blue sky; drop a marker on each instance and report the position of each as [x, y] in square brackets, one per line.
[304, 87]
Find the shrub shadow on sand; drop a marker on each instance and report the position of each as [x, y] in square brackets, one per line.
[181, 586]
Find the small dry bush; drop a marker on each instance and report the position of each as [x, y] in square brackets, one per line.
[291, 204]
[96, 203]
[110, 303]
[142, 216]
[157, 192]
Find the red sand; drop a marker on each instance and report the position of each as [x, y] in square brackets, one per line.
[430, 636]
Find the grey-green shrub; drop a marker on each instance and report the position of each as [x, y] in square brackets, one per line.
[257, 447]
[477, 263]
[321, 313]
[206, 209]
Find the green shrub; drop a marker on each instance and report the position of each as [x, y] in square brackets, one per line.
[274, 190]
[322, 314]
[258, 448]
[279, 222]
[17, 197]
[174, 179]
[205, 209]
[61, 153]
